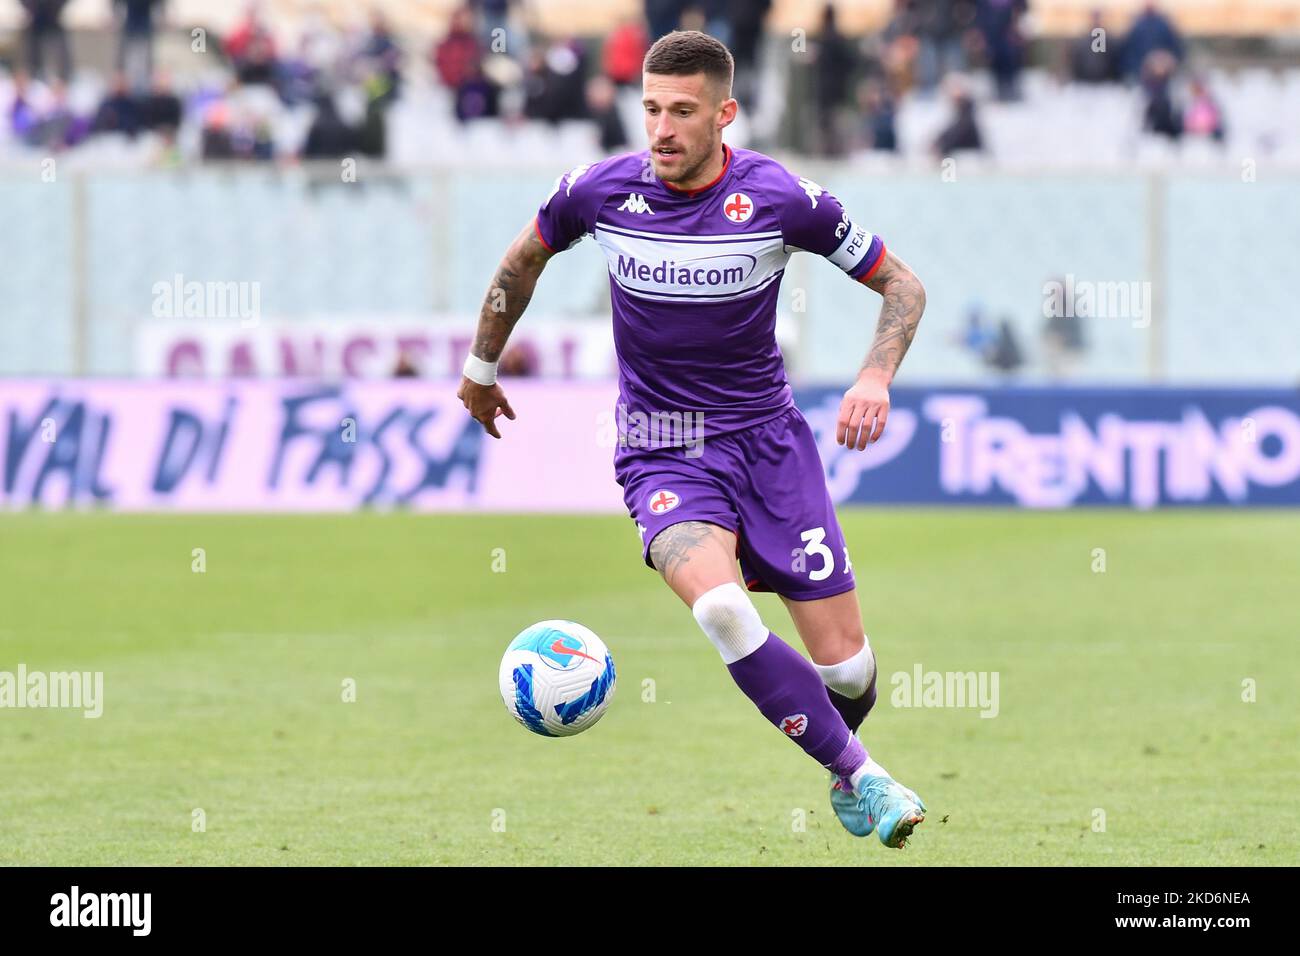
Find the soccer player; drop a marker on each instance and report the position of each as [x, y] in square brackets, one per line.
[697, 235]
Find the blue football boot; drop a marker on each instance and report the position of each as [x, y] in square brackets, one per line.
[881, 804]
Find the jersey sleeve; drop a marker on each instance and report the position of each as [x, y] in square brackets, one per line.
[567, 214]
[813, 220]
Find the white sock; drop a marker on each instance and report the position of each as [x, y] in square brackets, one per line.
[868, 769]
[731, 622]
[853, 676]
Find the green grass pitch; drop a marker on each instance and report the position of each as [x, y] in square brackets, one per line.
[1121, 693]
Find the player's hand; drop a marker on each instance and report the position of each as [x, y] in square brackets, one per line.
[486, 403]
[863, 412]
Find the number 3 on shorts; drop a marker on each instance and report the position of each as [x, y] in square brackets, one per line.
[812, 539]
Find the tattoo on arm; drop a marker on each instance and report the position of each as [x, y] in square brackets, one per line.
[510, 292]
[899, 315]
[672, 547]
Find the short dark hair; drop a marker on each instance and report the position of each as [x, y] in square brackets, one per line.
[687, 52]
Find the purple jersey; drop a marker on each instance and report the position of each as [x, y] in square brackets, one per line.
[694, 277]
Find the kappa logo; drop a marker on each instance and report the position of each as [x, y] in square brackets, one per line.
[794, 725]
[574, 175]
[635, 202]
[663, 501]
[738, 208]
[812, 189]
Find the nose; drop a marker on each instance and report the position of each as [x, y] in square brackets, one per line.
[663, 128]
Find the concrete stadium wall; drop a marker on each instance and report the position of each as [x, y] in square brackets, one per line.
[1185, 278]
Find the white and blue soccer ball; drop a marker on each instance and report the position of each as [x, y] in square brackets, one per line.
[557, 678]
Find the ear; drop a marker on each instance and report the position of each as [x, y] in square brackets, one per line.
[727, 113]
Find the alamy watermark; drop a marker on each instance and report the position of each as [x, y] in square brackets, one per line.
[128, 910]
[182, 299]
[74, 690]
[922, 688]
[1088, 299]
[654, 429]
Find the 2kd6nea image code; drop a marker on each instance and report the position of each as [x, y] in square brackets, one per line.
[84, 909]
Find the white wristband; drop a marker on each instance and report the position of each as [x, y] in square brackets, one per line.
[477, 370]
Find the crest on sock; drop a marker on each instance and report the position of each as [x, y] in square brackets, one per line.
[794, 725]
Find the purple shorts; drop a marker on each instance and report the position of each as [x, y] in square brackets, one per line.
[766, 484]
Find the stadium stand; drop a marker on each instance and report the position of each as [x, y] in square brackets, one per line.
[1074, 173]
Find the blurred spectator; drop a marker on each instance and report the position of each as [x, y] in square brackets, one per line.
[329, 136]
[1203, 116]
[715, 17]
[161, 108]
[45, 31]
[58, 127]
[1151, 31]
[372, 137]
[902, 46]
[314, 62]
[1005, 355]
[999, 27]
[520, 360]
[494, 24]
[878, 111]
[538, 94]
[217, 141]
[118, 112]
[625, 49]
[976, 337]
[962, 131]
[603, 107]
[298, 76]
[135, 46]
[940, 27]
[251, 49]
[382, 56]
[1063, 340]
[456, 56]
[232, 130]
[405, 367]
[1161, 114]
[23, 115]
[261, 146]
[1095, 57]
[663, 16]
[476, 97]
[554, 84]
[747, 18]
[834, 61]
[693, 18]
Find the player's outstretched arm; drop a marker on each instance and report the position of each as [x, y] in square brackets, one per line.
[868, 400]
[507, 297]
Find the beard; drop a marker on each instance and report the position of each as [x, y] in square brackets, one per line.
[689, 165]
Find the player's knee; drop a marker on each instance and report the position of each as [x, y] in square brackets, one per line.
[855, 673]
[730, 621]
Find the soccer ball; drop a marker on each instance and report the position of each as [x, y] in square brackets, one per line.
[557, 678]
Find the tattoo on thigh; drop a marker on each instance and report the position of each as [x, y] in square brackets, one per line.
[671, 548]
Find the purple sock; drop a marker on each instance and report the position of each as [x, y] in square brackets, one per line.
[854, 711]
[789, 692]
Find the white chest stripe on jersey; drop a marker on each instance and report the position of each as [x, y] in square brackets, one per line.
[720, 237]
[691, 268]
